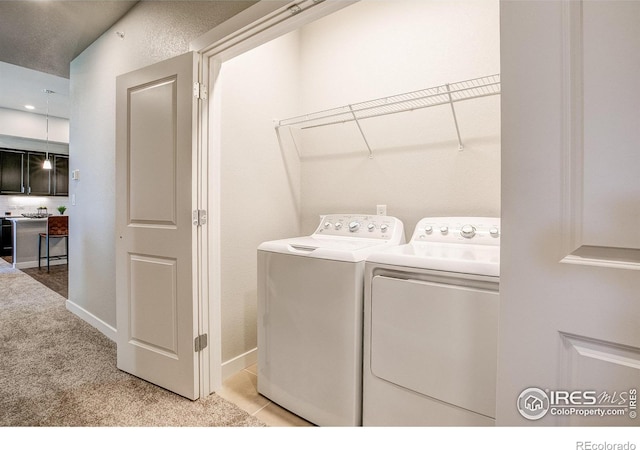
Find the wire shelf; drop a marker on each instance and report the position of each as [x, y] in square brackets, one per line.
[446, 94]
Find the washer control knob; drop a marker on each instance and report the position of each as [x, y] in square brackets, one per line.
[384, 228]
[327, 224]
[468, 231]
[494, 232]
[338, 225]
[444, 229]
[371, 227]
[354, 226]
[428, 229]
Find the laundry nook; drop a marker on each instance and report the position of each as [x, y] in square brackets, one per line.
[409, 215]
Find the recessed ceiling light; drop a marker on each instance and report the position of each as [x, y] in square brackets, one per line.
[29, 106]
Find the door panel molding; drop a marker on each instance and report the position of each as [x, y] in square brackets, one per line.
[612, 257]
[583, 360]
[577, 246]
[153, 303]
[152, 190]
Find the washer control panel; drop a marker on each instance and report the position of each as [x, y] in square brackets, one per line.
[360, 226]
[472, 230]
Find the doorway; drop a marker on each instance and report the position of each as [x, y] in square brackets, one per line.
[268, 181]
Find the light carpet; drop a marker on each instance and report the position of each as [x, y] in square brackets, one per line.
[57, 370]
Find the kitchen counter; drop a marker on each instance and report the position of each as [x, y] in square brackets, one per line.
[26, 233]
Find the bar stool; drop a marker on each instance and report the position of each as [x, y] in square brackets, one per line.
[57, 227]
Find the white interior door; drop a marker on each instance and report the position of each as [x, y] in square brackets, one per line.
[157, 310]
[570, 286]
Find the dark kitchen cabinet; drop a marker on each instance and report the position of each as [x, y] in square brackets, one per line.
[6, 238]
[21, 172]
[61, 175]
[11, 172]
[39, 179]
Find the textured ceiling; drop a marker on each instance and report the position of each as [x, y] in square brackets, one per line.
[47, 35]
[38, 41]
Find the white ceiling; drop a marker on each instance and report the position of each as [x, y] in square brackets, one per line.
[20, 86]
[38, 41]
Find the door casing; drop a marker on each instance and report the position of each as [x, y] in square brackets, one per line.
[251, 28]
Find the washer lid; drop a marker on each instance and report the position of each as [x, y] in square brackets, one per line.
[334, 248]
[343, 237]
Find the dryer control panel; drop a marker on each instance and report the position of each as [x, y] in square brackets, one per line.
[360, 226]
[471, 230]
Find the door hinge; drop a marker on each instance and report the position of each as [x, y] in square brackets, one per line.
[200, 91]
[199, 217]
[200, 343]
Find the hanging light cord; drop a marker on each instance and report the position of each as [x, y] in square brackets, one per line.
[47, 163]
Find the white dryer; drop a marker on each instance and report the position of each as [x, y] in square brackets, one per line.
[431, 326]
[310, 307]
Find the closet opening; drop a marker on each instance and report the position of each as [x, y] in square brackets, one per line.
[379, 103]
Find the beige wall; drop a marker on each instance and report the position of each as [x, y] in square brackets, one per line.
[260, 184]
[362, 54]
[154, 31]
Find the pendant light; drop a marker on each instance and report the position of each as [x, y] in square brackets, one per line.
[47, 163]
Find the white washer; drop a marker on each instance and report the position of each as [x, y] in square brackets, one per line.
[431, 326]
[310, 307]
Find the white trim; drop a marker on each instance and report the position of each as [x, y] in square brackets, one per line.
[261, 23]
[239, 363]
[32, 264]
[236, 25]
[106, 329]
[201, 192]
[210, 148]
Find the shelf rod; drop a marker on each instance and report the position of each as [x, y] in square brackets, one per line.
[455, 119]
[361, 132]
[422, 99]
[341, 121]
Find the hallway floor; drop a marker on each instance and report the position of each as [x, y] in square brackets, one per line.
[57, 279]
[242, 389]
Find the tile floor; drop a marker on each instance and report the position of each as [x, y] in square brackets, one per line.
[242, 389]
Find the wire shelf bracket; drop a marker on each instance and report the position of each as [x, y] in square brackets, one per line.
[447, 94]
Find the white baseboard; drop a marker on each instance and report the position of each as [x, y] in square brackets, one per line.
[229, 368]
[103, 327]
[32, 264]
[239, 363]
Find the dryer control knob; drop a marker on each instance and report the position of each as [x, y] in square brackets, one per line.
[354, 226]
[338, 225]
[428, 229]
[371, 227]
[468, 231]
[494, 232]
[444, 229]
[327, 224]
[384, 228]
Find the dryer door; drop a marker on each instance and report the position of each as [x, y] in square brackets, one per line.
[439, 340]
